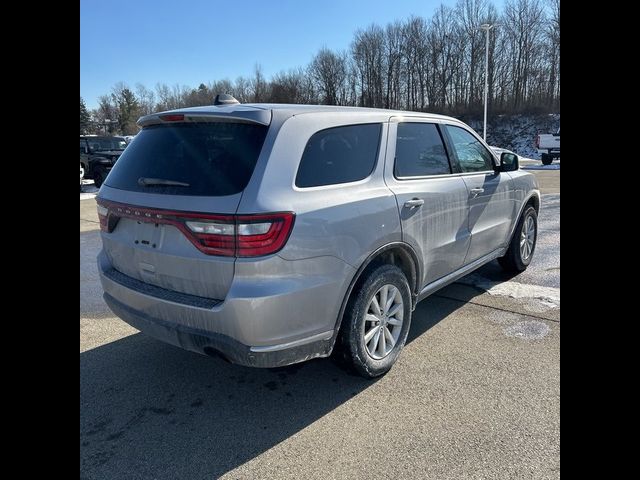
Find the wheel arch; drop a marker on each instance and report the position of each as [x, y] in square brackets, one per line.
[399, 254]
[532, 200]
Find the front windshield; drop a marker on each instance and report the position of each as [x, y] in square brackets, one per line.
[101, 144]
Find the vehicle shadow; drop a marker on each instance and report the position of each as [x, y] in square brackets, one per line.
[150, 410]
[444, 302]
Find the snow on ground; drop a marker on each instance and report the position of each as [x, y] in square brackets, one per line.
[531, 164]
[549, 296]
[528, 163]
[89, 190]
[516, 132]
[553, 166]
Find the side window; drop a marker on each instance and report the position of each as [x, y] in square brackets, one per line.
[471, 154]
[83, 143]
[420, 151]
[339, 155]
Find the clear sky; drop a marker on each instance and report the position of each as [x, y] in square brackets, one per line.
[197, 41]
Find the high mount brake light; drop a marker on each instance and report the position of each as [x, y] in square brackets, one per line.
[172, 118]
[225, 235]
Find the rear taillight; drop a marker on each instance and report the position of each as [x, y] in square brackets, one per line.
[537, 143]
[259, 235]
[225, 235]
[213, 235]
[107, 222]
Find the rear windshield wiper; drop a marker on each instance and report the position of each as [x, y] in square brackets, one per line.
[147, 182]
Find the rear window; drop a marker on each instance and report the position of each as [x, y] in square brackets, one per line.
[339, 155]
[212, 158]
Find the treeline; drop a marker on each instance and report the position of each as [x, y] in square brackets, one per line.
[419, 64]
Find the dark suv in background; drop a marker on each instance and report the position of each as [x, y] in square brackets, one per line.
[98, 155]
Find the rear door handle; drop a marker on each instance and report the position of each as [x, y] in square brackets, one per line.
[477, 191]
[414, 202]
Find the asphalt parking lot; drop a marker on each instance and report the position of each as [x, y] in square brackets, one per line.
[475, 393]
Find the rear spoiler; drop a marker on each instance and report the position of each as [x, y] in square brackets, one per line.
[235, 115]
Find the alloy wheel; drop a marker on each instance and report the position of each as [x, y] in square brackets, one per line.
[383, 321]
[527, 238]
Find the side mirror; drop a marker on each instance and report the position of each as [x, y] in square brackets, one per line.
[508, 162]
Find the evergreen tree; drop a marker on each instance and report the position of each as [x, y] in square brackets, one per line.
[85, 118]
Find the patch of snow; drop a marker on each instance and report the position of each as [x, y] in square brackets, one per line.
[549, 296]
[553, 166]
[516, 133]
[527, 330]
[499, 151]
[89, 190]
[87, 196]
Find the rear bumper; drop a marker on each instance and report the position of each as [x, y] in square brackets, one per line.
[213, 344]
[277, 322]
[551, 151]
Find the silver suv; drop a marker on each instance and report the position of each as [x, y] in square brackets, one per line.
[273, 234]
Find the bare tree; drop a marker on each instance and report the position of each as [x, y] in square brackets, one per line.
[418, 70]
[553, 49]
[329, 71]
[241, 90]
[219, 87]
[470, 14]
[443, 37]
[523, 21]
[146, 99]
[434, 64]
[198, 97]
[106, 114]
[163, 94]
[393, 53]
[289, 87]
[259, 85]
[179, 95]
[368, 48]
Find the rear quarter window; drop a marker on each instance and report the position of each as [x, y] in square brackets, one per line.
[420, 151]
[212, 158]
[339, 155]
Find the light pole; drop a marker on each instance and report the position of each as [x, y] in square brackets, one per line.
[486, 27]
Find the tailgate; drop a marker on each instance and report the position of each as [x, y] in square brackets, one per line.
[173, 179]
[159, 253]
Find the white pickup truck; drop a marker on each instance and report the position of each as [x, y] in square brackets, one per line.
[548, 145]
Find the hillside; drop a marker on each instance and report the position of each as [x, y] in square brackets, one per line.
[516, 132]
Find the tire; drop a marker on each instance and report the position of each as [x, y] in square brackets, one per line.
[547, 158]
[351, 349]
[98, 177]
[517, 260]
